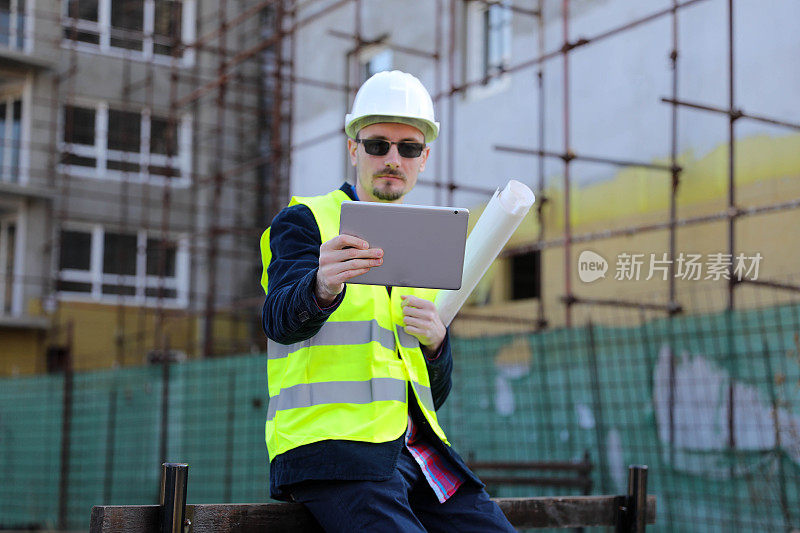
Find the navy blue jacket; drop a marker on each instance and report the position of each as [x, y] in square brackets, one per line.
[291, 314]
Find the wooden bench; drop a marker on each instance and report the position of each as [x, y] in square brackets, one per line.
[628, 513]
[530, 473]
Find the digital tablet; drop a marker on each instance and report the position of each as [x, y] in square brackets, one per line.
[422, 246]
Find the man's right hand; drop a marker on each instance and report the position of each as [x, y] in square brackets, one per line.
[340, 259]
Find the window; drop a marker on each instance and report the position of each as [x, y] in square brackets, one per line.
[57, 359]
[137, 146]
[12, 23]
[150, 28]
[487, 45]
[127, 24]
[526, 275]
[81, 22]
[106, 265]
[496, 38]
[8, 256]
[124, 140]
[10, 138]
[167, 26]
[378, 63]
[119, 264]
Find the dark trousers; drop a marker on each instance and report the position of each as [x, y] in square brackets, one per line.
[403, 503]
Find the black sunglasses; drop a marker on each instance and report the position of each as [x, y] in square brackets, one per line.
[381, 147]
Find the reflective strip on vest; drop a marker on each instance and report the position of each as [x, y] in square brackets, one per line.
[356, 392]
[406, 341]
[340, 334]
[424, 394]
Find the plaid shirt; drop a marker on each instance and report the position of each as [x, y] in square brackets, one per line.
[441, 474]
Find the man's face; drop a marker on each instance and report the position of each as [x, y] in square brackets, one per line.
[389, 177]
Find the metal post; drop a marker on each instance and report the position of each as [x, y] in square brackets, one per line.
[568, 296]
[111, 433]
[732, 117]
[586, 472]
[597, 404]
[637, 498]
[229, 442]
[541, 322]
[174, 477]
[212, 230]
[451, 105]
[776, 448]
[673, 197]
[66, 433]
[164, 437]
[437, 89]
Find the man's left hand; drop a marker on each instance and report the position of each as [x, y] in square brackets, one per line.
[422, 321]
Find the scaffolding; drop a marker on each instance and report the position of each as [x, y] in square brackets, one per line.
[238, 88]
[234, 75]
[233, 91]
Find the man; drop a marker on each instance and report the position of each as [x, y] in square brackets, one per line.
[357, 372]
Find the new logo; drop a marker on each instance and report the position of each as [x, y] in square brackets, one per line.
[591, 266]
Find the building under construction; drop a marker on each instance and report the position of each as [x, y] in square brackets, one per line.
[140, 162]
[148, 144]
[145, 145]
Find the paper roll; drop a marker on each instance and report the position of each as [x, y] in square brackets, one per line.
[494, 228]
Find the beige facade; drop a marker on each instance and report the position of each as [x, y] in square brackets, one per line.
[768, 174]
[127, 213]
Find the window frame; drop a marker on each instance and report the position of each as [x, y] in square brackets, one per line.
[19, 35]
[366, 60]
[476, 50]
[535, 257]
[16, 91]
[501, 31]
[144, 158]
[141, 281]
[17, 219]
[102, 28]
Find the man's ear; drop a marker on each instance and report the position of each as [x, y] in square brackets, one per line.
[352, 146]
[425, 154]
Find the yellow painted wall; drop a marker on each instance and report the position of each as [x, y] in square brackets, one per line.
[21, 351]
[105, 335]
[767, 171]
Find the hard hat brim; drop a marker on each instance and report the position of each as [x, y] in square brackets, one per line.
[353, 124]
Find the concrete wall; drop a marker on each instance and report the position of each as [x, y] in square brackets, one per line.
[57, 72]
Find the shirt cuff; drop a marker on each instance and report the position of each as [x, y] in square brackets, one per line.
[441, 349]
[310, 298]
[334, 305]
[436, 355]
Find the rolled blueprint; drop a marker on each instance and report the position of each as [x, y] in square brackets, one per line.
[494, 228]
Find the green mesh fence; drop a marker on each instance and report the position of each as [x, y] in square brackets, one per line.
[711, 403]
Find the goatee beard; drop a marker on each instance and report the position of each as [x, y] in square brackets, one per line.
[387, 196]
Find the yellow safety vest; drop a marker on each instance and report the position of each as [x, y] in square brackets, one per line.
[350, 380]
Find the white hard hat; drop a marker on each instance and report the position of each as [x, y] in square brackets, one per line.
[392, 97]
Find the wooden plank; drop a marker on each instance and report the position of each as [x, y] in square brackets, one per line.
[580, 483]
[563, 512]
[252, 518]
[126, 518]
[531, 465]
[571, 511]
[244, 517]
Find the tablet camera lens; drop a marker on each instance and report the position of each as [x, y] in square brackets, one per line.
[455, 212]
